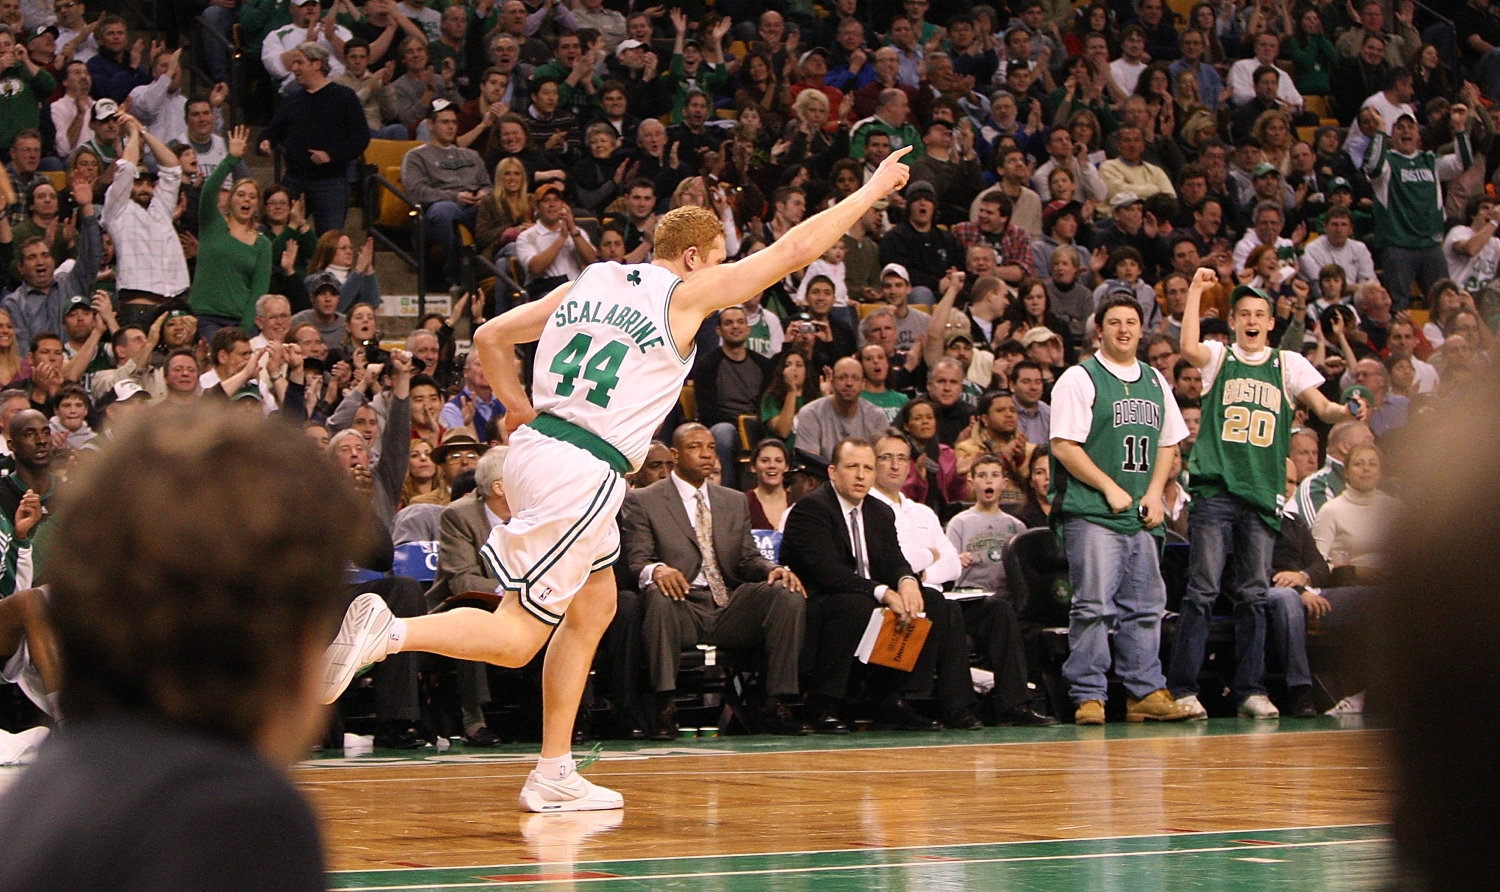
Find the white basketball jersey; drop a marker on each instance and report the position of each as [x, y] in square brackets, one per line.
[607, 362]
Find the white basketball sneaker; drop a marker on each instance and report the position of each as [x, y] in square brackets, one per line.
[1194, 709]
[1258, 706]
[364, 638]
[573, 793]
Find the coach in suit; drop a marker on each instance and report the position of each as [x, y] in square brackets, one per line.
[463, 529]
[846, 548]
[688, 544]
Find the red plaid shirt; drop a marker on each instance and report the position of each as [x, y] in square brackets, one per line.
[1014, 245]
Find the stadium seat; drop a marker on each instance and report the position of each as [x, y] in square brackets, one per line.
[1318, 105]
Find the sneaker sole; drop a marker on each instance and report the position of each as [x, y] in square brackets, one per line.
[342, 656]
[535, 803]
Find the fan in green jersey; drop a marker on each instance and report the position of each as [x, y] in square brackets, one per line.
[1237, 480]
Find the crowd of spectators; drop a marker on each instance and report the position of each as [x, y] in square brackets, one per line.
[1331, 154]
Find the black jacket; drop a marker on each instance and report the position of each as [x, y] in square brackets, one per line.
[331, 120]
[816, 545]
[927, 256]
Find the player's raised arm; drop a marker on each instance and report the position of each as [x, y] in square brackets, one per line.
[496, 342]
[734, 283]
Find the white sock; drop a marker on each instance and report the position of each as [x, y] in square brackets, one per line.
[396, 637]
[555, 769]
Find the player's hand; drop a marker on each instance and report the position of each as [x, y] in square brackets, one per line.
[1119, 500]
[28, 513]
[892, 174]
[784, 576]
[671, 582]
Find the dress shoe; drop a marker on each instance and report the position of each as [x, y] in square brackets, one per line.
[825, 720]
[481, 737]
[963, 720]
[899, 716]
[1024, 717]
[666, 723]
[1302, 703]
[778, 719]
[399, 736]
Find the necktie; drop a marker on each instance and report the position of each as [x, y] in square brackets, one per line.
[705, 531]
[860, 563]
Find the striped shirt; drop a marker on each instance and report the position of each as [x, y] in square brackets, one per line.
[1314, 492]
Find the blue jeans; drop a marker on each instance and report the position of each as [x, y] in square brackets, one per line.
[209, 325]
[1487, 73]
[1116, 582]
[1402, 266]
[327, 199]
[1218, 526]
[439, 219]
[1286, 622]
[726, 440]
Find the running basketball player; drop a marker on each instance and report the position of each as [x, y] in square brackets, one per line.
[614, 347]
[1237, 478]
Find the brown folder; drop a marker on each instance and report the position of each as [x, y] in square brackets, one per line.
[899, 648]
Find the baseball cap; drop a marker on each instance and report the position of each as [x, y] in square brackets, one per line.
[439, 105]
[327, 282]
[956, 336]
[815, 51]
[1124, 199]
[76, 301]
[544, 190]
[1338, 183]
[127, 389]
[250, 391]
[921, 189]
[627, 44]
[1038, 335]
[303, 2]
[1016, 65]
[1249, 291]
[896, 268]
[1264, 169]
[42, 29]
[104, 109]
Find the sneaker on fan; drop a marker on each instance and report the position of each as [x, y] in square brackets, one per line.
[1354, 704]
[1192, 707]
[364, 637]
[1258, 706]
[573, 793]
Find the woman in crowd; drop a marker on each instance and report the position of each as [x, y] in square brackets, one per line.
[285, 221]
[1444, 301]
[507, 211]
[424, 477]
[334, 256]
[600, 176]
[234, 258]
[760, 85]
[1429, 76]
[1038, 507]
[1274, 130]
[1032, 309]
[1312, 54]
[791, 388]
[934, 479]
[1083, 126]
[85, 166]
[13, 364]
[1205, 21]
[769, 499]
[1092, 19]
[1350, 528]
[808, 140]
[360, 328]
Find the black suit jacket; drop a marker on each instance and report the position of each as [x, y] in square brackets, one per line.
[655, 528]
[815, 545]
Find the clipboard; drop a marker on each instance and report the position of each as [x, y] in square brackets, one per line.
[883, 644]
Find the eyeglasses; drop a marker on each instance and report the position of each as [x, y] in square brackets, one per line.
[467, 454]
[893, 458]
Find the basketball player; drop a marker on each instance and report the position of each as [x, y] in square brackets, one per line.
[1237, 478]
[614, 347]
[1115, 430]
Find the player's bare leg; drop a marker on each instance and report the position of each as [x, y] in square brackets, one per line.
[569, 657]
[25, 614]
[508, 637]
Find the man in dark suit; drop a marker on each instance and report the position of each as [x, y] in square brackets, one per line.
[464, 528]
[730, 596]
[847, 548]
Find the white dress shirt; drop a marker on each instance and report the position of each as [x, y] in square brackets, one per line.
[923, 543]
[64, 111]
[538, 238]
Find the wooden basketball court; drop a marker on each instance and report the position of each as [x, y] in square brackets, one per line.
[1226, 804]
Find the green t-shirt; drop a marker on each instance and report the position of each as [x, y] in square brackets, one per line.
[770, 409]
[231, 275]
[889, 402]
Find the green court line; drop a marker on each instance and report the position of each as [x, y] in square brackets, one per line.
[739, 744]
[1333, 859]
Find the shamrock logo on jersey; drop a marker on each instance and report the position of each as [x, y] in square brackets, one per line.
[634, 278]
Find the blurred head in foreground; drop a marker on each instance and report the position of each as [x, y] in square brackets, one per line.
[1438, 647]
